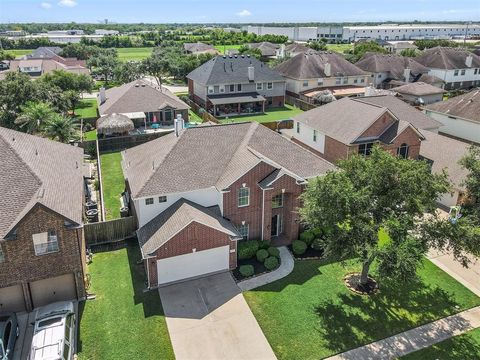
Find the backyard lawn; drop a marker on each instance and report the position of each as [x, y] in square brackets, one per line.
[113, 183]
[140, 53]
[310, 314]
[341, 48]
[122, 322]
[87, 108]
[90, 135]
[19, 52]
[223, 48]
[274, 114]
[465, 347]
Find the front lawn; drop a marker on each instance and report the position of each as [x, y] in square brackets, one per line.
[113, 183]
[122, 322]
[310, 314]
[273, 114]
[86, 109]
[137, 54]
[465, 347]
[223, 48]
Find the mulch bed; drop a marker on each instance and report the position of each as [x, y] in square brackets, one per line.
[352, 281]
[258, 267]
[309, 254]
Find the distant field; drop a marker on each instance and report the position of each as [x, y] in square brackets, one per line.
[341, 48]
[20, 52]
[223, 48]
[128, 54]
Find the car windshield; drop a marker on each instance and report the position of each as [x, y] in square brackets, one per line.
[50, 322]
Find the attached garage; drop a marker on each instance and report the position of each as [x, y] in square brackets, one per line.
[12, 299]
[50, 290]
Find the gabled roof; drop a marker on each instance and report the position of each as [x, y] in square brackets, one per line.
[198, 47]
[430, 79]
[138, 96]
[311, 64]
[395, 65]
[174, 219]
[45, 52]
[418, 89]
[296, 47]
[232, 70]
[38, 171]
[213, 157]
[447, 58]
[265, 47]
[466, 106]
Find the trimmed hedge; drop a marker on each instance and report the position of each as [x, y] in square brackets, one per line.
[299, 247]
[265, 244]
[307, 237]
[271, 263]
[247, 249]
[273, 251]
[262, 254]
[246, 270]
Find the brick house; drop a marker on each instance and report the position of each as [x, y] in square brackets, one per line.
[236, 85]
[198, 192]
[353, 126]
[42, 250]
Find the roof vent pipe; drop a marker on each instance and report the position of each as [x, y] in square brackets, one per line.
[406, 74]
[103, 95]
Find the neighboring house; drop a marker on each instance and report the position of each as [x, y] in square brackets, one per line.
[268, 49]
[236, 85]
[38, 67]
[197, 193]
[398, 47]
[420, 93]
[142, 102]
[458, 68]
[199, 48]
[441, 153]
[46, 52]
[42, 247]
[354, 126]
[386, 69]
[460, 116]
[291, 50]
[432, 80]
[318, 70]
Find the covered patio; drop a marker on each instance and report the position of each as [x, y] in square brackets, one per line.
[237, 104]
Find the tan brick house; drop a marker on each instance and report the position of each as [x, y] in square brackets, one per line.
[42, 250]
[196, 194]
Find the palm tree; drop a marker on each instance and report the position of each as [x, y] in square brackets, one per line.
[63, 129]
[34, 116]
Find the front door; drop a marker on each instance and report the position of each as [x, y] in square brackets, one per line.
[277, 225]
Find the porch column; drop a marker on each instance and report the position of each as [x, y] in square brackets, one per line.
[214, 110]
[263, 106]
[238, 108]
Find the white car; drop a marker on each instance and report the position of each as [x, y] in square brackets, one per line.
[54, 332]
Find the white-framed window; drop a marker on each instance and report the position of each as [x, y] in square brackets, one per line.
[277, 201]
[355, 81]
[149, 201]
[232, 88]
[243, 196]
[320, 82]
[45, 243]
[298, 127]
[462, 72]
[211, 89]
[475, 72]
[365, 149]
[259, 86]
[345, 81]
[269, 86]
[402, 151]
[305, 84]
[315, 135]
[455, 73]
[244, 231]
[239, 87]
[362, 80]
[2, 254]
[221, 88]
[338, 81]
[162, 199]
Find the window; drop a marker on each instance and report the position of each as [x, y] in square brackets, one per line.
[149, 201]
[45, 243]
[362, 80]
[345, 81]
[2, 254]
[305, 83]
[402, 151]
[298, 127]
[239, 87]
[455, 73]
[259, 86]
[232, 88]
[162, 199]
[475, 71]
[315, 135]
[269, 86]
[221, 88]
[365, 149]
[320, 82]
[277, 201]
[243, 230]
[338, 81]
[355, 81]
[211, 89]
[462, 72]
[243, 196]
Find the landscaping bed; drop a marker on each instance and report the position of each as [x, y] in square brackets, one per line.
[255, 258]
[309, 254]
[258, 267]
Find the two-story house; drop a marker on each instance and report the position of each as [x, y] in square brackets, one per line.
[236, 85]
[458, 68]
[196, 192]
[42, 249]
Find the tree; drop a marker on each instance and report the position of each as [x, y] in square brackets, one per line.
[317, 45]
[72, 98]
[68, 81]
[409, 52]
[370, 194]
[104, 63]
[33, 116]
[158, 65]
[362, 48]
[6, 55]
[246, 50]
[324, 97]
[61, 128]
[128, 71]
[471, 162]
[15, 91]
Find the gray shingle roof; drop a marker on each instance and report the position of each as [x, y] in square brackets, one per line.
[418, 89]
[213, 156]
[232, 70]
[392, 64]
[265, 47]
[296, 47]
[168, 223]
[38, 171]
[447, 58]
[311, 64]
[466, 106]
[45, 52]
[138, 96]
[430, 79]
[197, 47]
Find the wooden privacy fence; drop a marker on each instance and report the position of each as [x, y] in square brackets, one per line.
[109, 231]
[305, 106]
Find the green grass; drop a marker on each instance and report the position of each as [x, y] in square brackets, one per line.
[223, 48]
[464, 347]
[273, 114]
[19, 52]
[194, 118]
[90, 135]
[122, 322]
[137, 54]
[86, 108]
[341, 48]
[310, 314]
[113, 183]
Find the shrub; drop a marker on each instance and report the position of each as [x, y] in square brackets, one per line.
[247, 249]
[87, 127]
[299, 247]
[318, 244]
[307, 237]
[273, 251]
[271, 263]
[262, 254]
[265, 244]
[96, 185]
[246, 270]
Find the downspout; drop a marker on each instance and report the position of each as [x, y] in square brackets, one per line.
[263, 211]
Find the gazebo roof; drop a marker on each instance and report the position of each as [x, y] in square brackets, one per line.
[114, 123]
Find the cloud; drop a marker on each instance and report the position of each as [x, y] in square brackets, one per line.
[46, 5]
[244, 13]
[68, 3]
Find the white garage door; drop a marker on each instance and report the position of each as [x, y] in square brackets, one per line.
[11, 299]
[194, 264]
[47, 291]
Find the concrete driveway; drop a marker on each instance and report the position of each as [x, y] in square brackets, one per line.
[208, 318]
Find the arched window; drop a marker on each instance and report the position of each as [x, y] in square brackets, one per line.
[402, 151]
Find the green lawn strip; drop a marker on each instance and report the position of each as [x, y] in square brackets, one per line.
[137, 54]
[19, 52]
[272, 114]
[223, 48]
[113, 183]
[465, 347]
[90, 135]
[310, 314]
[122, 322]
[341, 48]
[87, 108]
[194, 118]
